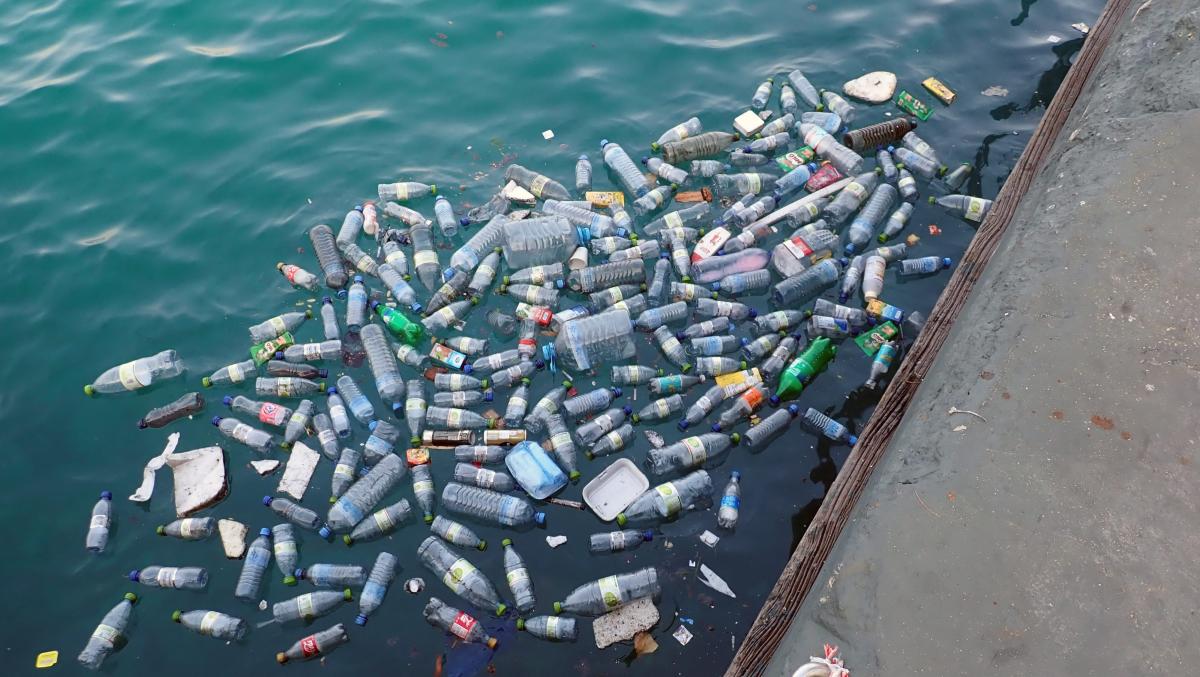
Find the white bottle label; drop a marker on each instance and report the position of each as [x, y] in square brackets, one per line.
[670, 496]
[454, 417]
[99, 522]
[107, 634]
[974, 209]
[304, 605]
[401, 191]
[383, 520]
[166, 577]
[208, 621]
[552, 629]
[662, 407]
[516, 576]
[452, 532]
[129, 379]
[312, 351]
[616, 541]
[610, 592]
[278, 324]
[485, 478]
[458, 573]
[695, 448]
[614, 438]
[236, 375]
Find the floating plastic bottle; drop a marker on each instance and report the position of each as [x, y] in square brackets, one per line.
[884, 133]
[852, 278]
[887, 164]
[458, 623]
[802, 288]
[924, 265]
[778, 359]
[601, 424]
[549, 628]
[836, 104]
[286, 386]
[584, 343]
[383, 365]
[762, 95]
[706, 144]
[592, 401]
[731, 502]
[399, 287]
[404, 191]
[829, 327]
[326, 435]
[298, 276]
[906, 184]
[316, 645]
[896, 222]
[232, 374]
[352, 225]
[842, 158]
[178, 578]
[645, 249]
[669, 500]
[689, 453]
[482, 477]
[547, 405]
[254, 567]
[713, 397]
[781, 124]
[541, 186]
[714, 268]
[453, 288]
[862, 228]
[618, 541]
[805, 89]
[358, 403]
[534, 295]
[326, 250]
[686, 217]
[517, 576]
[814, 360]
[541, 241]
[856, 317]
[872, 283]
[760, 347]
[333, 575]
[484, 275]
[293, 512]
[632, 375]
[598, 597]
[287, 556]
[443, 211]
[654, 200]
[957, 178]
[768, 144]
[594, 278]
[491, 506]
[383, 572]
[311, 605]
[362, 497]
[459, 575]
[583, 174]
[612, 442]
[679, 132]
[278, 368]
[816, 422]
[919, 146]
[654, 318]
[496, 206]
[140, 373]
[381, 442]
[363, 262]
[718, 325]
[630, 178]
[770, 427]
[660, 409]
[212, 624]
[731, 309]
[667, 172]
[509, 376]
[258, 440]
[779, 320]
[965, 206]
[672, 348]
[425, 258]
[451, 418]
[186, 405]
[109, 635]
[918, 164]
[188, 528]
[297, 425]
[406, 215]
[711, 346]
[787, 99]
[882, 363]
[743, 160]
[893, 253]
[851, 197]
[562, 444]
[338, 413]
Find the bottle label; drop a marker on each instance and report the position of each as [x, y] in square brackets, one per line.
[300, 419]
[241, 432]
[304, 605]
[517, 404]
[610, 591]
[670, 496]
[236, 375]
[289, 271]
[421, 487]
[327, 436]
[343, 470]
[457, 573]
[798, 247]
[704, 404]
[516, 577]
[129, 379]
[383, 520]
[99, 521]
[277, 324]
[662, 407]
[395, 256]
[401, 191]
[352, 511]
[560, 440]
[258, 557]
[974, 211]
[680, 131]
[186, 528]
[107, 634]
[166, 577]
[452, 532]
[753, 183]
[284, 548]
[308, 646]
[208, 621]
[284, 387]
[731, 501]
[552, 629]
[463, 624]
[907, 182]
[423, 257]
[454, 417]
[670, 384]
[695, 448]
[485, 478]
[414, 405]
[615, 440]
[312, 351]
[616, 541]
[753, 397]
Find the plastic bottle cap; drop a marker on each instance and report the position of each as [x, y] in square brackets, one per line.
[520, 623]
[106, 495]
[131, 598]
[482, 545]
[281, 657]
[134, 576]
[467, 369]
[716, 427]
[774, 400]
[160, 530]
[325, 532]
[735, 438]
[491, 643]
[735, 475]
[267, 500]
[265, 531]
[216, 420]
[647, 536]
[853, 440]
[617, 392]
[289, 580]
[176, 615]
[500, 609]
[558, 605]
[946, 261]
[603, 143]
[621, 520]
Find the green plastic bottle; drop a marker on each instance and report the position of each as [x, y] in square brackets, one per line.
[405, 329]
[815, 358]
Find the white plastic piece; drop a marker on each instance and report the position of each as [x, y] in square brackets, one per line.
[874, 87]
[548, 134]
[682, 635]
[265, 467]
[233, 538]
[579, 259]
[614, 489]
[300, 466]
[200, 480]
[555, 541]
[622, 623]
[514, 193]
[145, 491]
[712, 580]
[709, 538]
[748, 124]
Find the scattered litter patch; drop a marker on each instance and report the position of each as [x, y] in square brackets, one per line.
[548, 134]
[709, 538]
[682, 635]
[995, 90]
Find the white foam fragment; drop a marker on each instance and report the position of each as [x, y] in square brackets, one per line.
[623, 623]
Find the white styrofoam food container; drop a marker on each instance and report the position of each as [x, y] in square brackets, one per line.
[614, 489]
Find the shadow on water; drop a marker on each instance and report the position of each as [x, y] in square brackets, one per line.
[1047, 85]
[1020, 19]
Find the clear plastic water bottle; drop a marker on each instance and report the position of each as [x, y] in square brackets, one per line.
[381, 442]
[297, 425]
[383, 365]
[497, 205]
[669, 500]
[731, 309]
[887, 164]
[298, 276]
[612, 442]
[654, 200]
[459, 575]
[399, 287]
[333, 575]
[383, 572]
[882, 363]
[856, 317]
[109, 636]
[424, 490]
[643, 250]
[598, 597]
[254, 567]
[359, 405]
[862, 228]
[850, 197]
[256, 439]
[711, 399]
[686, 217]
[816, 422]
[773, 366]
[593, 278]
[509, 376]
[618, 541]
[831, 123]
[679, 132]
[836, 104]
[787, 99]
[924, 265]
[592, 401]
[731, 502]
[451, 418]
[338, 413]
[97, 534]
[229, 375]
[854, 274]
[842, 158]
[482, 477]
[630, 178]
[712, 346]
[681, 259]
[425, 258]
[781, 124]
[672, 348]
[484, 274]
[363, 495]
[965, 206]
[458, 623]
[667, 172]
[622, 219]
[326, 435]
[583, 174]
[760, 347]
[549, 628]
[654, 318]
[660, 409]
[293, 512]
[602, 424]
[140, 373]
[406, 215]
[906, 184]
[704, 145]
[311, 605]
[562, 445]
[717, 325]
[957, 178]
[518, 404]
[762, 95]
[517, 576]
[287, 556]
[598, 225]
[362, 261]
[581, 344]
[896, 222]
[918, 164]
[805, 89]
[491, 506]
[326, 250]
[919, 146]
[316, 644]
[547, 405]
[446, 220]
[743, 184]
[794, 180]
[714, 268]
[744, 160]
[404, 191]
[414, 409]
[689, 453]
[546, 240]
[779, 320]
[541, 186]
[656, 293]
[770, 427]
[345, 472]
[872, 282]
[768, 144]
[829, 327]
[801, 288]
[212, 624]
[188, 528]
[306, 352]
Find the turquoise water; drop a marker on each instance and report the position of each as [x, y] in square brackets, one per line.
[160, 157]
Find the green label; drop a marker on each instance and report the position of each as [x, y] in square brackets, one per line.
[870, 341]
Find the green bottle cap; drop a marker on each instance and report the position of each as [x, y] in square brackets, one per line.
[482, 545]
[621, 519]
[520, 623]
[558, 608]
[132, 598]
[160, 530]
[289, 580]
[347, 540]
[89, 390]
[433, 189]
[428, 518]
[176, 615]
[347, 595]
[500, 609]
[574, 475]
[506, 542]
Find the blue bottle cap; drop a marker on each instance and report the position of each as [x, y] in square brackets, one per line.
[279, 354]
[416, 307]
[325, 532]
[946, 261]
[558, 284]
[753, 313]
[326, 299]
[583, 156]
[617, 392]
[716, 286]
[464, 222]
[849, 248]
[106, 495]
[647, 535]
[397, 407]
[265, 531]
[793, 409]
[683, 425]
[447, 274]
[372, 425]
[467, 369]
[360, 620]
[645, 160]
[539, 518]
[323, 373]
[358, 208]
[774, 400]
[298, 573]
[216, 420]
[488, 395]
[332, 390]
[341, 293]
[134, 575]
[716, 427]
[735, 475]
[603, 143]
[267, 500]
[891, 149]
[358, 279]
[627, 409]
[853, 440]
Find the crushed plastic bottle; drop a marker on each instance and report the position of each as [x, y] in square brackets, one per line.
[318, 644]
[458, 623]
[140, 373]
[669, 500]
[598, 597]
[459, 575]
[109, 635]
[212, 624]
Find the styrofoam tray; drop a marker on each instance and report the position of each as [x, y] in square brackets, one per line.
[614, 489]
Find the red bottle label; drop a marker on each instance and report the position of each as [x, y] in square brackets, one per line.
[462, 625]
[308, 646]
[826, 175]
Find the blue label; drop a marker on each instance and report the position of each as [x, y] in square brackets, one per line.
[731, 502]
[834, 430]
[372, 591]
[258, 557]
[352, 511]
[376, 444]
